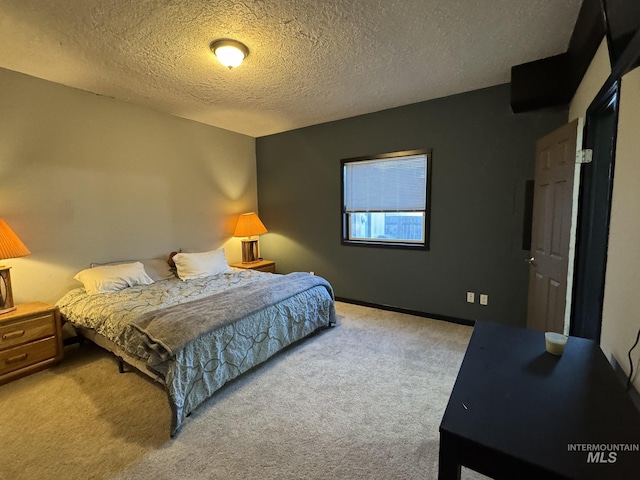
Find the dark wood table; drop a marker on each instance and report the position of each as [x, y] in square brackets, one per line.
[518, 412]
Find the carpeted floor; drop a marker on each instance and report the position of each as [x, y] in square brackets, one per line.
[361, 401]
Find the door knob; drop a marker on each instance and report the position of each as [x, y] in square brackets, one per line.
[531, 261]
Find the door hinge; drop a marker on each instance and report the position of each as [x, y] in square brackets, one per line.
[584, 156]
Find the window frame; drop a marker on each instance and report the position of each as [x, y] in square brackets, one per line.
[383, 243]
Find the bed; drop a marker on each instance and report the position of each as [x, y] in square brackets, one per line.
[193, 335]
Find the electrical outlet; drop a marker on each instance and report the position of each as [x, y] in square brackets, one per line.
[484, 299]
[471, 297]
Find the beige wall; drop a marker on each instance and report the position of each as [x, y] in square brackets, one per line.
[85, 178]
[596, 75]
[621, 315]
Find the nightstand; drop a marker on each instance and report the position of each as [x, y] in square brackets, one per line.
[262, 266]
[30, 340]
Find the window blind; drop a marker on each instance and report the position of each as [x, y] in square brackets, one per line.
[387, 185]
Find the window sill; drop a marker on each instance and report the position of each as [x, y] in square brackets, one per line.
[364, 243]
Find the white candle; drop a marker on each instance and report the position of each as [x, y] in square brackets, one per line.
[555, 342]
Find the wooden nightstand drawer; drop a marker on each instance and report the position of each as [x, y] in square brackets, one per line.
[30, 340]
[26, 355]
[267, 268]
[261, 266]
[25, 331]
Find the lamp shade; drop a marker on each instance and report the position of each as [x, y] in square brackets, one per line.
[10, 244]
[248, 225]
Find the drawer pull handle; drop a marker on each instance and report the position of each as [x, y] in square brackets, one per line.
[17, 358]
[10, 335]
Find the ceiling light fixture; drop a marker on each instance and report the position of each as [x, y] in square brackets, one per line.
[230, 53]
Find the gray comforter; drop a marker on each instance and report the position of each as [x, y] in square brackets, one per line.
[196, 346]
[168, 330]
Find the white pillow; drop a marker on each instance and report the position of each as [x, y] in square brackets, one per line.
[157, 268]
[199, 265]
[111, 278]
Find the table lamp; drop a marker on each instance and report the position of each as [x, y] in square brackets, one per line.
[249, 225]
[10, 247]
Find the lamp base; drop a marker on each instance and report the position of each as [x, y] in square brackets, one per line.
[6, 294]
[250, 251]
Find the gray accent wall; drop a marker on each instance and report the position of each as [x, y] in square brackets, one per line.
[482, 156]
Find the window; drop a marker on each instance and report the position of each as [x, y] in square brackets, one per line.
[385, 200]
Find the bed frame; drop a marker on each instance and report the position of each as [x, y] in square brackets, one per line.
[122, 356]
[124, 360]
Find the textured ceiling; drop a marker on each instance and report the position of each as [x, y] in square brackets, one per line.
[310, 61]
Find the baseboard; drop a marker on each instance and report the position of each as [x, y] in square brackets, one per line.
[390, 308]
